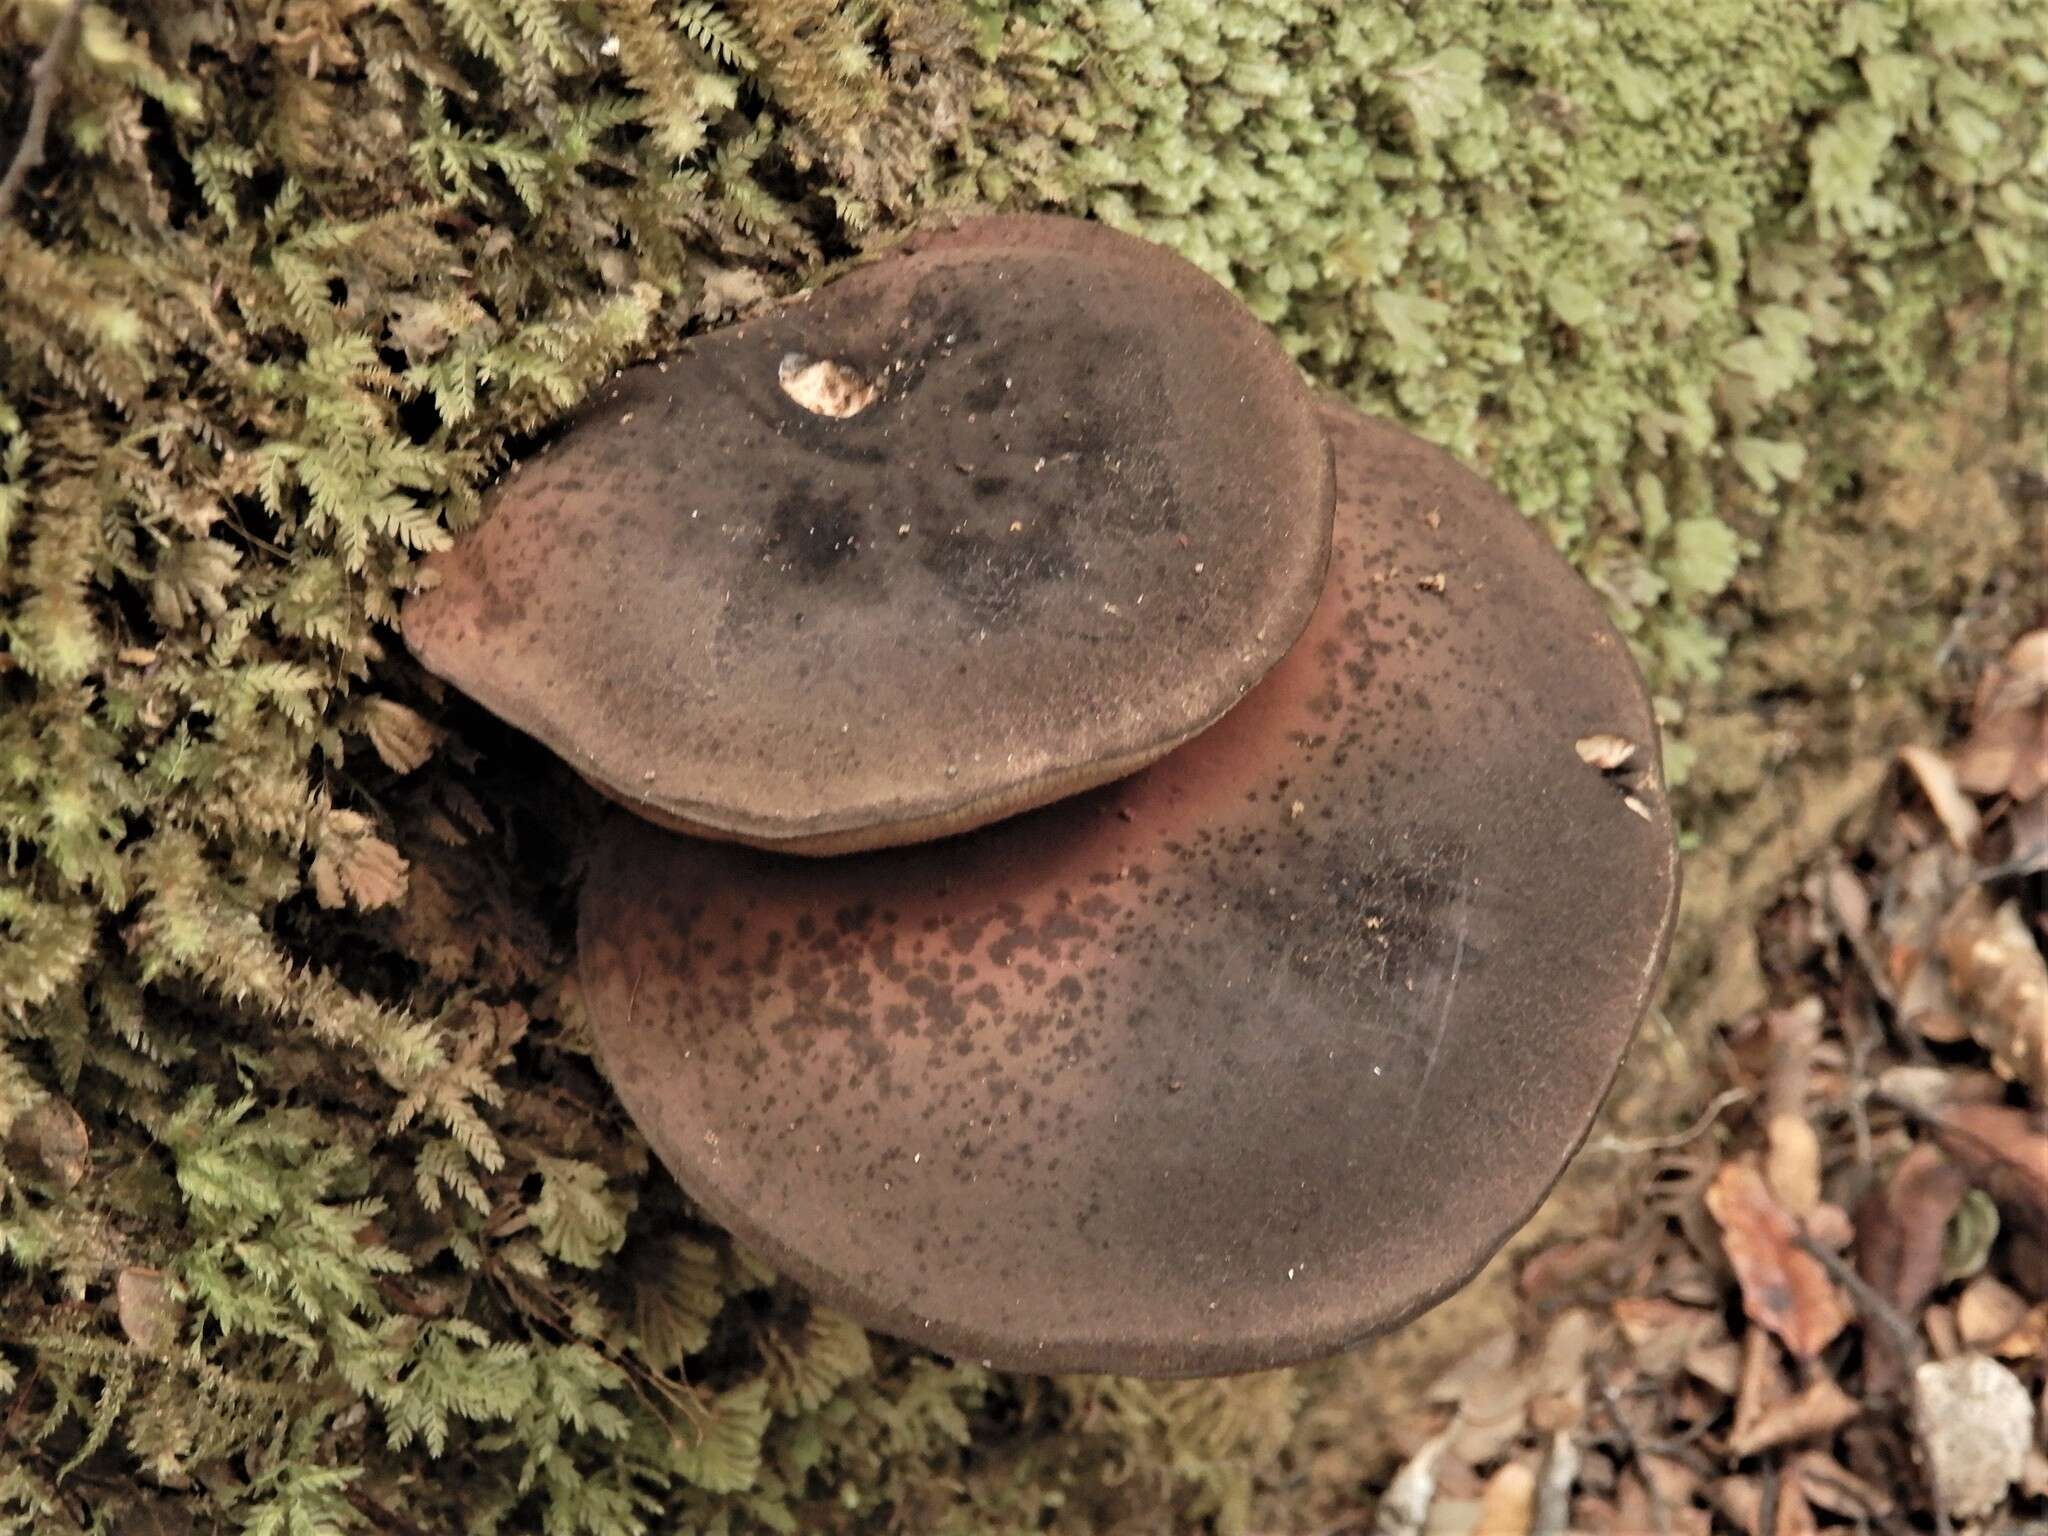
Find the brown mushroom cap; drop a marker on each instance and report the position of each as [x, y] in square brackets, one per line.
[1223, 1066]
[1008, 513]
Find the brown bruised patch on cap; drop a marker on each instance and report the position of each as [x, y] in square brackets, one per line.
[1223, 1066]
[1004, 514]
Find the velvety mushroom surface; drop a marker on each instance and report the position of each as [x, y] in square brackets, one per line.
[1005, 514]
[1224, 1065]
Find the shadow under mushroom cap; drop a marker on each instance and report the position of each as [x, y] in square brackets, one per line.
[1225, 1065]
[1008, 512]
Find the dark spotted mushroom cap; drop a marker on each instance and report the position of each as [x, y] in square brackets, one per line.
[1222, 1066]
[1007, 513]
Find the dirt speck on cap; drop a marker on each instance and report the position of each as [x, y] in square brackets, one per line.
[824, 387]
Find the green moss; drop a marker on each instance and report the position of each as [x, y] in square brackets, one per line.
[314, 1216]
[1622, 256]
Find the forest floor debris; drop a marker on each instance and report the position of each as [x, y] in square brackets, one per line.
[1822, 1303]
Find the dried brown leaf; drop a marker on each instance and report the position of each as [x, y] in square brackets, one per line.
[1550, 1412]
[1718, 1364]
[2020, 681]
[1794, 1036]
[1662, 1334]
[1899, 1232]
[1783, 1288]
[1937, 781]
[1684, 1276]
[1502, 1395]
[1848, 900]
[1559, 1367]
[2027, 838]
[2028, 1338]
[1928, 1006]
[1794, 1514]
[1741, 1501]
[1818, 1409]
[1987, 1311]
[1918, 891]
[1565, 1266]
[1829, 1225]
[1674, 1482]
[1508, 1506]
[2004, 1151]
[2030, 774]
[1928, 1089]
[1938, 1322]
[1792, 1163]
[1832, 1487]
[1998, 970]
[1763, 1383]
[1450, 1516]
[49, 1142]
[2006, 752]
[2026, 1260]
[1638, 1513]
[150, 1313]
[1489, 1422]
[1991, 758]
[1486, 1361]
[1491, 1391]
[1900, 1226]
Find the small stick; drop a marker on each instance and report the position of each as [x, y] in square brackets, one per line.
[1876, 1307]
[1699, 1128]
[1859, 1110]
[45, 76]
[1660, 1516]
[20, 1402]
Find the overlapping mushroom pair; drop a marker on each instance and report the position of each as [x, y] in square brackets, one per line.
[1117, 916]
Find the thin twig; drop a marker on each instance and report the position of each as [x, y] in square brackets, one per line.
[1660, 1515]
[1824, 1479]
[1693, 1132]
[1876, 1307]
[46, 77]
[1942, 1126]
[20, 1402]
[1859, 1112]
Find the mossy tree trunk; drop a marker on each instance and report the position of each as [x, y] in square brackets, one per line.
[313, 1215]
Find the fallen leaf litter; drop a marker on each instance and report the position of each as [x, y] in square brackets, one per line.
[1823, 1303]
